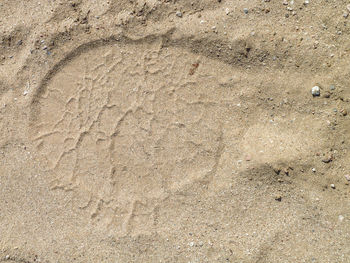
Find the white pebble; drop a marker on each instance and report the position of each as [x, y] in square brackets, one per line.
[333, 186]
[315, 91]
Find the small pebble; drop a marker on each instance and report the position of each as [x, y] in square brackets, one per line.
[25, 93]
[327, 159]
[179, 14]
[7, 257]
[314, 170]
[245, 10]
[315, 91]
[347, 177]
[331, 87]
[327, 95]
[332, 186]
[344, 112]
[278, 198]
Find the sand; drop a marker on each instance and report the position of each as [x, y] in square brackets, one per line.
[174, 131]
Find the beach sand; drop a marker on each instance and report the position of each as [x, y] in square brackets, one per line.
[174, 131]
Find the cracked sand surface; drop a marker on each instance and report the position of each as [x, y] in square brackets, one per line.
[116, 125]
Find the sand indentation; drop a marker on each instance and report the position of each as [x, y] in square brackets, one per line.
[122, 127]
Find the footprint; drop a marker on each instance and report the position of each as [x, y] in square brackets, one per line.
[127, 123]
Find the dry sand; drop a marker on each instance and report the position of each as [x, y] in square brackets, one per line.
[174, 131]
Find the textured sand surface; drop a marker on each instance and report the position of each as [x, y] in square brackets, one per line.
[174, 131]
